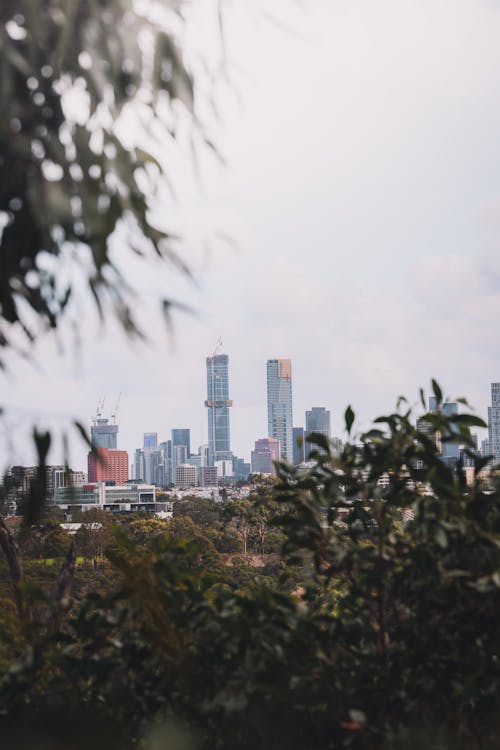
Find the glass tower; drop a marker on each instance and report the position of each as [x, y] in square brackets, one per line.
[317, 420]
[218, 404]
[279, 405]
[104, 434]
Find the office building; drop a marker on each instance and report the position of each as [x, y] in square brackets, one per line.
[166, 450]
[153, 467]
[182, 436]
[218, 405]
[108, 466]
[317, 420]
[241, 469]
[298, 445]
[494, 423]
[279, 405]
[265, 453]
[139, 465]
[150, 440]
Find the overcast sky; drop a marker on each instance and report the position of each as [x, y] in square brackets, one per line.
[362, 191]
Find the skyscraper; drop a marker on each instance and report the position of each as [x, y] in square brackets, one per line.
[265, 453]
[317, 420]
[493, 447]
[298, 445]
[449, 450]
[279, 405]
[182, 437]
[218, 404]
[150, 440]
[103, 433]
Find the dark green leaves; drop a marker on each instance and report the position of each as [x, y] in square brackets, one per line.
[349, 419]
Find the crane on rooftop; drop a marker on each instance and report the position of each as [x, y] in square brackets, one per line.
[115, 411]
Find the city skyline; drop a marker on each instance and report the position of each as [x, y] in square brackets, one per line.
[375, 271]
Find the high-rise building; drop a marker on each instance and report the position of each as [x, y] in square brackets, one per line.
[317, 420]
[153, 467]
[265, 453]
[298, 445]
[218, 404]
[108, 466]
[279, 405]
[103, 433]
[203, 452]
[449, 450]
[494, 422]
[182, 437]
[166, 449]
[150, 440]
[139, 465]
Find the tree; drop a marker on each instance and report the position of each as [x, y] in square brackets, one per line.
[382, 633]
[73, 75]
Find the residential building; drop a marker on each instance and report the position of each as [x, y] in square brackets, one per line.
[186, 476]
[116, 498]
[108, 466]
[208, 476]
[218, 405]
[265, 453]
[279, 405]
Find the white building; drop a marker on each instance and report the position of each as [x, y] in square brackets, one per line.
[186, 476]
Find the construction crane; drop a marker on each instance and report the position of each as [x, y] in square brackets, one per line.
[114, 413]
[218, 346]
[100, 407]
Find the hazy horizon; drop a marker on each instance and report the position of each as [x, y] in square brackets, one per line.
[361, 193]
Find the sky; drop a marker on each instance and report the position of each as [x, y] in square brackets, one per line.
[360, 192]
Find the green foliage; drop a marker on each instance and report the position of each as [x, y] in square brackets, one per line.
[73, 76]
[378, 627]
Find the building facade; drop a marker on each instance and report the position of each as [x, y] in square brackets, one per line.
[208, 476]
[108, 466]
[449, 450]
[186, 476]
[298, 445]
[317, 420]
[493, 446]
[104, 434]
[265, 453]
[279, 405]
[150, 440]
[218, 405]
